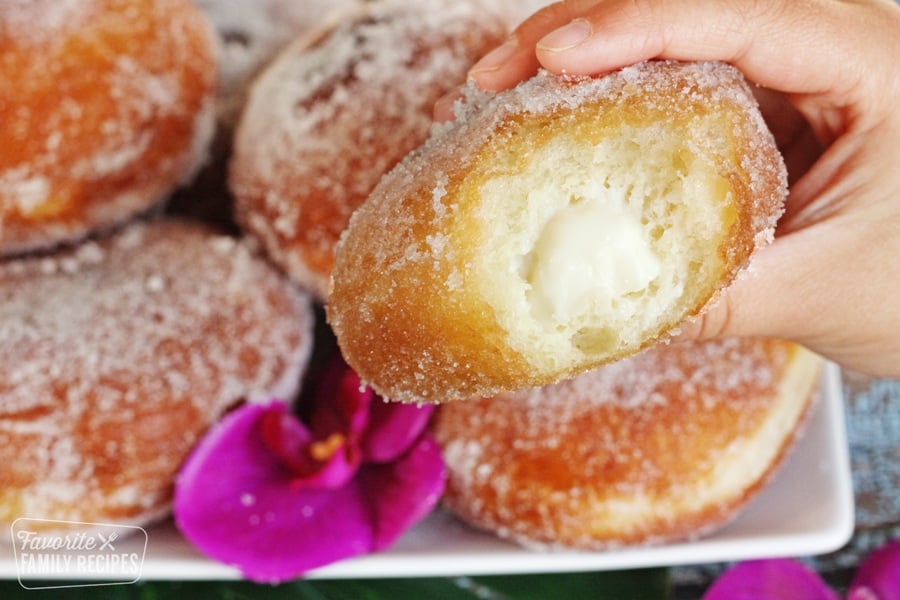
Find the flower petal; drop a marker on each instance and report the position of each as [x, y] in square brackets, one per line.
[234, 500]
[341, 402]
[772, 579]
[401, 493]
[878, 576]
[393, 427]
[287, 438]
[337, 470]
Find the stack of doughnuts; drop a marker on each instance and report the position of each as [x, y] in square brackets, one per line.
[335, 111]
[123, 335]
[666, 445]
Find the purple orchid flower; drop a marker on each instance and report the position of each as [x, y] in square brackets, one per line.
[878, 578]
[276, 496]
[771, 579]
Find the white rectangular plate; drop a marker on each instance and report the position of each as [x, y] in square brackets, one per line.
[806, 510]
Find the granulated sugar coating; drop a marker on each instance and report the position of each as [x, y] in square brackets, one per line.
[553, 228]
[252, 32]
[32, 22]
[107, 107]
[117, 355]
[334, 112]
[668, 444]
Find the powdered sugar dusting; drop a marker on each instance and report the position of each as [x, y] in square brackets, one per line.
[29, 194]
[702, 375]
[708, 374]
[116, 355]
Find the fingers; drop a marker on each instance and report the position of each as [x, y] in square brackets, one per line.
[796, 47]
[794, 137]
[516, 60]
[773, 298]
[797, 289]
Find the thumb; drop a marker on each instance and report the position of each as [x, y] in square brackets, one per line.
[777, 295]
[819, 287]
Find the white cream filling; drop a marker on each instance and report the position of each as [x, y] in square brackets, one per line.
[588, 254]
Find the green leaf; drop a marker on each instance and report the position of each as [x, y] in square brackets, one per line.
[645, 584]
[640, 584]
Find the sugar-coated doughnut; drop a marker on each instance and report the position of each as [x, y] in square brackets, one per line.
[665, 445]
[335, 111]
[105, 107]
[251, 34]
[116, 356]
[553, 228]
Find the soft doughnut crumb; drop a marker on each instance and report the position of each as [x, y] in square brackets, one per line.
[555, 227]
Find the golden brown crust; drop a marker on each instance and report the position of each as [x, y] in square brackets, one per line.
[423, 304]
[117, 355]
[107, 107]
[662, 446]
[338, 109]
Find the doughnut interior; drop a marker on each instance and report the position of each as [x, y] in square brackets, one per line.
[553, 228]
[665, 445]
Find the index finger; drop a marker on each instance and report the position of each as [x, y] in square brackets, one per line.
[794, 47]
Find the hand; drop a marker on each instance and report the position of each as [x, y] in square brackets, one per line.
[830, 90]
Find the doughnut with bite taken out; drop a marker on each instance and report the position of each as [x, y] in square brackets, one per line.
[555, 227]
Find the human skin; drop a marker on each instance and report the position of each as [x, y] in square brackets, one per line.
[829, 85]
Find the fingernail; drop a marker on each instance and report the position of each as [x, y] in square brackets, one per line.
[495, 59]
[566, 37]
